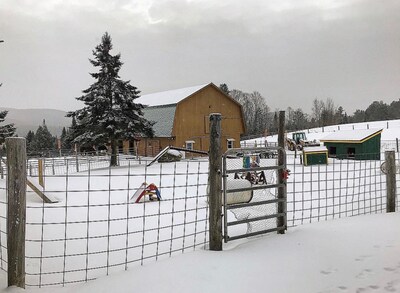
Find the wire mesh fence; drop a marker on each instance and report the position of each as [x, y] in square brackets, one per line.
[341, 188]
[96, 228]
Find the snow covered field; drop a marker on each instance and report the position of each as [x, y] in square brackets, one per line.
[391, 131]
[95, 230]
[358, 254]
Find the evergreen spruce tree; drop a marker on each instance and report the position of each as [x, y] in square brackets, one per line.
[224, 87]
[5, 130]
[43, 140]
[30, 137]
[72, 133]
[65, 142]
[110, 113]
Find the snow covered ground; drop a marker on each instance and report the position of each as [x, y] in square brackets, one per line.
[353, 254]
[357, 254]
[391, 131]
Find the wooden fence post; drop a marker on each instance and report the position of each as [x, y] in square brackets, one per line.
[16, 210]
[41, 165]
[390, 162]
[215, 184]
[282, 220]
[77, 163]
[1, 168]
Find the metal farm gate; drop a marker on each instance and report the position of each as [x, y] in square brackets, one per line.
[254, 192]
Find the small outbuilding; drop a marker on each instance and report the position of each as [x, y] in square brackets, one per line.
[362, 144]
[315, 156]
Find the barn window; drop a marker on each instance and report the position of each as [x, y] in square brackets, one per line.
[332, 151]
[230, 143]
[351, 152]
[189, 144]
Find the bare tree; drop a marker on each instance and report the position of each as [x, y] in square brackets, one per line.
[255, 111]
[317, 107]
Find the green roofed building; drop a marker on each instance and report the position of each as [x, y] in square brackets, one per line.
[362, 144]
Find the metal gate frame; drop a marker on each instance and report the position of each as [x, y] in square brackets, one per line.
[281, 199]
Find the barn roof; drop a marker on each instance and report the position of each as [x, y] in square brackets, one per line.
[351, 136]
[163, 116]
[161, 107]
[169, 97]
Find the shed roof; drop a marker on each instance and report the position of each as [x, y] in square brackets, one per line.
[351, 136]
[169, 97]
[163, 116]
[316, 149]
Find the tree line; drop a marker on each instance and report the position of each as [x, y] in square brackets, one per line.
[261, 121]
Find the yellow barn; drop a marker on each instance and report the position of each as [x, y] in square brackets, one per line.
[181, 119]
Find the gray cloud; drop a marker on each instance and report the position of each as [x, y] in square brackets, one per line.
[290, 51]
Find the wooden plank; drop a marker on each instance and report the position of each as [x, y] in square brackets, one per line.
[38, 192]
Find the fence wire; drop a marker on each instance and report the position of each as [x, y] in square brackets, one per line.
[342, 188]
[95, 228]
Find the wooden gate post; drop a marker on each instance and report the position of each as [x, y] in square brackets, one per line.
[215, 184]
[390, 162]
[16, 210]
[281, 221]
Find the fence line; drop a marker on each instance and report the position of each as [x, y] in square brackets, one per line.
[386, 145]
[95, 229]
[341, 188]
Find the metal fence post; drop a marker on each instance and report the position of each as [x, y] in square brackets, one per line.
[214, 181]
[282, 220]
[397, 144]
[390, 181]
[16, 210]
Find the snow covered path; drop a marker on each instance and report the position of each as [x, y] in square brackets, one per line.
[357, 254]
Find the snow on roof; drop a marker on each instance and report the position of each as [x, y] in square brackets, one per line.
[169, 97]
[350, 135]
[315, 149]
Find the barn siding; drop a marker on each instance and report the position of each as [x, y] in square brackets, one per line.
[192, 116]
[191, 122]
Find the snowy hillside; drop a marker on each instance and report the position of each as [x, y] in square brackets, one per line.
[391, 131]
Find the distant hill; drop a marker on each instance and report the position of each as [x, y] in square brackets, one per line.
[30, 119]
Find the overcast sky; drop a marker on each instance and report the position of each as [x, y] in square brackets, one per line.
[291, 51]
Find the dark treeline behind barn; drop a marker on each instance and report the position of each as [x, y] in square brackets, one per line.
[261, 121]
